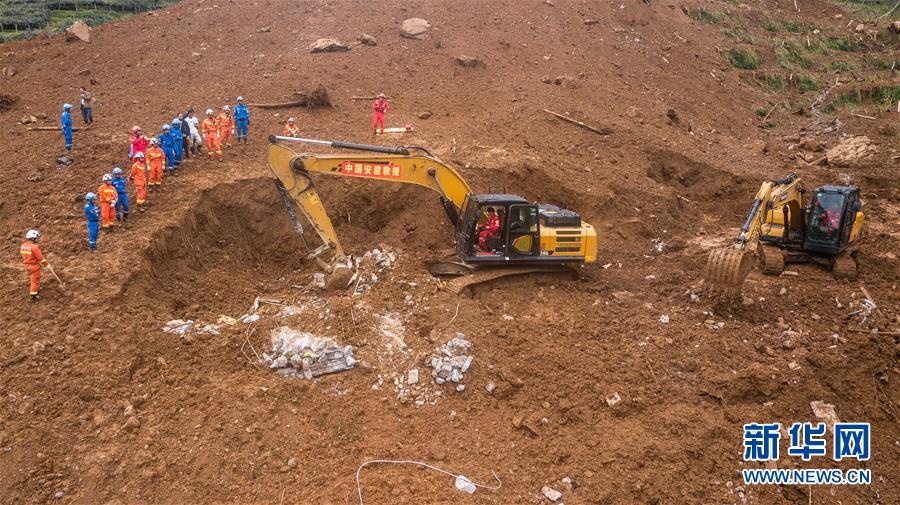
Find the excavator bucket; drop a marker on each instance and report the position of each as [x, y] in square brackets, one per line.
[726, 269]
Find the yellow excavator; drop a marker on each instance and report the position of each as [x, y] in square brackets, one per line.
[825, 231]
[491, 230]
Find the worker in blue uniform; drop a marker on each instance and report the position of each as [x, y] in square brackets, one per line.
[121, 185]
[92, 213]
[177, 143]
[66, 122]
[241, 120]
[168, 147]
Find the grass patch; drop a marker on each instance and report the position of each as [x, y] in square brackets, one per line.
[794, 54]
[839, 67]
[784, 25]
[867, 10]
[841, 44]
[879, 64]
[883, 97]
[762, 110]
[706, 16]
[775, 82]
[806, 82]
[746, 59]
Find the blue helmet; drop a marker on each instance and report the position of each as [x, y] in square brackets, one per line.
[176, 122]
[117, 171]
[67, 106]
[166, 127]
[90, 197]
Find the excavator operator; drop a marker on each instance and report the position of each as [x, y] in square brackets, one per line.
[490, 229]
[826, 221]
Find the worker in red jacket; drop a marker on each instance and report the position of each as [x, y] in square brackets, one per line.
[490, 229]
[139, 142]
[33, 260]
[380, 106]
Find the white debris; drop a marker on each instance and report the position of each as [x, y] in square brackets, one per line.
[412, 377]
[464, 484]
[450, 361]
[824, 411]
[614, 399]
[250, 318]
[490, 387]
[664, 319]
[179, 326]
[368, 266]
[303, 354]
[550, 493]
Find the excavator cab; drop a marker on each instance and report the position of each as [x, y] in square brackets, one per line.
[498, 228]
[832, 216]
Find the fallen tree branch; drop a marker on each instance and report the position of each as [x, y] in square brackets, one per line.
[767, 113]
[602, 131]
[864, 117]
[308, 99]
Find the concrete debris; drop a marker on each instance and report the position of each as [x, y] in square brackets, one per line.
[179, 326]
[412, 377]
[28, 120]
[249, 318]
[301, 354]
[825, 411]
[79, 30]
[490, 387]
[328, 46]
[551, 494]
[415, 28]
[614, 399]
[451, 361]
[367, 40]
[368, 267]
[664, 319]
[851, 152]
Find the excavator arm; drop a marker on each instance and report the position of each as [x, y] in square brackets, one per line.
[293, 171]
[772, 197]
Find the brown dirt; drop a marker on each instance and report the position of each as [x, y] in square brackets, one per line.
[214, 428]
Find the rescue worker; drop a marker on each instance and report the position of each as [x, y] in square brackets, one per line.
[156, 163]
[109, 201]
[121, 185]
[138, 177]
[179, 139]
[34, 260]
[241, 120]
[66, 122]
[210, 132]
[167, 145]
[192, 131]
[226, 126]
[139, 142]
[87, 106]
[490, 229]
[92, 213]
[380, 106]
[290, 129]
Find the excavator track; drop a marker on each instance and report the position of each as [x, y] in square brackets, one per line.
[726, 269]
[772, 259]
[465, 284]
[844, 267]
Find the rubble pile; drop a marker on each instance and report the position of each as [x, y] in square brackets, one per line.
[368, 266]
[451, 361]
[301, 354]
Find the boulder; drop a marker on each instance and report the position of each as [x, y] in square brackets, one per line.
[851, 152]
[328, 46]
[9, 71]
[567, 81]
[196, 57]
[415, 28]
[895, 27]
[79, 30]
[469, 62]
[424, 114]
[812, 145]
[367, 40]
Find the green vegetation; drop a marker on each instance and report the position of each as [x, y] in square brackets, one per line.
[806, 82]
[762, 110]
[705, 16]
[842, 66]
[775, 26]
[841, 44]
[867, 10]
[746, 59]
[883, 97]
[775, 82]
[793, 54]
[26, 18]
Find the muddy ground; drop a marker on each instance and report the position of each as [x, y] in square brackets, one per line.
[101, 406]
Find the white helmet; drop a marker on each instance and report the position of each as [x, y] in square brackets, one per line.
[107, 178]
[209, 112]
[290, 120]
[240, 99]
[154, 141]
[139, 155]
[32, 234]
[226, 108]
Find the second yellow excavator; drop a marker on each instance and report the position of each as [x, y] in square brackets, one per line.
[491, 230]
[825, 231]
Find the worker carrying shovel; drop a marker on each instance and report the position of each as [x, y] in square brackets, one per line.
[34, 260]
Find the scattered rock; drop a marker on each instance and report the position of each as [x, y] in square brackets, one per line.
[591, 22]
[28, 120]
[614, 399]
[851, 152]
[264, 29]
[79, 30]
[490, 387]
[7, 102]
[824, 411]
[132, 423]
[567, 81]
[367, 40]
[550, 493]
[179, 326]
[672, 116]
[437, 453]
[424, 114]
[412, 377]
[450, 361]
[38, 347]
[415, 28]
[546, 79]
[9, 71]
[469, 62]
[87, 394]
[895, 27]
[59, 495]
[300, 354]
[291, 463]
[196, 57]
[328, 46]
[860, 28]
[812, 145]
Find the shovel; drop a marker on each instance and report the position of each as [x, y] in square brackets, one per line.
[61, 284]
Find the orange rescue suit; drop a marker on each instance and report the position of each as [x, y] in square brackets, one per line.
[139, 177]
[291, 130]
[108, 197]
[226, 128]
[210, 131]
[156, 160]
[34, 260]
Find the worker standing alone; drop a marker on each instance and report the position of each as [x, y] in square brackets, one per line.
[92, 214]
[226, 126]
[121, 186]
[109, 198]
[241, 120]
[380, 106]
[156, 163]
[210, 131]
[66, 122]
[290, 129]
[138, 177]
[33, 259]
